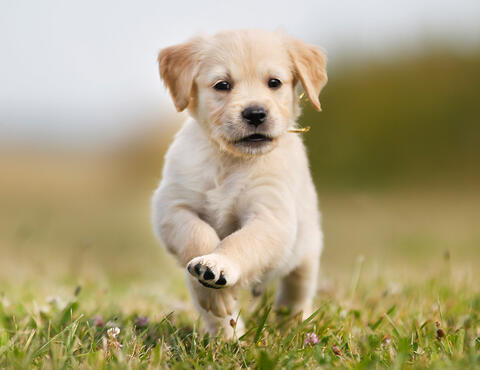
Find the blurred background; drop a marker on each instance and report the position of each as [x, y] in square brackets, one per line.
[85, 122]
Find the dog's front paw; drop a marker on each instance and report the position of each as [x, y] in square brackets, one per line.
[214, 271]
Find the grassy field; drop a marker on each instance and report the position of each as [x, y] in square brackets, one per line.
[399, 286]
[429, 323]
[395, 156]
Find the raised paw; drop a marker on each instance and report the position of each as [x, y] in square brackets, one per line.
[213, 271]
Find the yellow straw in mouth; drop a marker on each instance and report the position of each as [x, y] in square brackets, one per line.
[300, 130]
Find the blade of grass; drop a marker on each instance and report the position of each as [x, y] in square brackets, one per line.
[396, 330]
[260, 327]
[29, 340]
[45, 345]
[356, 276]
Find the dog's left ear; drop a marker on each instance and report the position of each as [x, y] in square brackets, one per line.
[178, 66]
[310, 66]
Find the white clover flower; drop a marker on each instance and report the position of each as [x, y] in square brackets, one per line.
[113, 332]
[112, 342]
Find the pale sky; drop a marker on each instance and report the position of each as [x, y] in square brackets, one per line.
[86, 70]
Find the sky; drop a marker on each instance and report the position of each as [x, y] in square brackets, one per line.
[85, 71]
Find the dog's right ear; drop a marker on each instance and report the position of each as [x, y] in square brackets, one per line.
[178, 66]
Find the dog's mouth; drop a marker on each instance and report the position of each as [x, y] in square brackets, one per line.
[254, 138]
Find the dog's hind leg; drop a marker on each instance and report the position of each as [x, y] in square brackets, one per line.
[231, 326]
[218, 308]
[297, 289]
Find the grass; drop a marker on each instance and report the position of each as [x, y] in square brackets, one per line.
[78, 258]
[412, 301]
[372, 323]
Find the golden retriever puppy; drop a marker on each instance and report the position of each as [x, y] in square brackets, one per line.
[236, 204]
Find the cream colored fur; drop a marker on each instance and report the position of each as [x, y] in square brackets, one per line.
[246, 212]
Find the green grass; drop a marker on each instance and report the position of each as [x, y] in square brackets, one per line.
[370, 324]
[77, 227]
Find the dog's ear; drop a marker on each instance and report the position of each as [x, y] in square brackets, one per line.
[310, 67]
[178, 66]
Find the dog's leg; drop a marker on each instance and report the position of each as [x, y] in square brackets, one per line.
[218, 309]
[263, 243]
[297, 290]
[181, 231]
[186, 235]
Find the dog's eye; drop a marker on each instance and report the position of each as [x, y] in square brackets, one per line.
[222, 86]
[274, 83]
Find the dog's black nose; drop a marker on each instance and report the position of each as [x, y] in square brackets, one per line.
[254, 115]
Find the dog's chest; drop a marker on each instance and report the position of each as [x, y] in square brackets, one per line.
[221, 196]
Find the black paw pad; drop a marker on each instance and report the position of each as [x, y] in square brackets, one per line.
[221, 281]
[197, 268]
[208, 275]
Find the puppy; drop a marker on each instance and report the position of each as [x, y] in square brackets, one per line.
[236, 204]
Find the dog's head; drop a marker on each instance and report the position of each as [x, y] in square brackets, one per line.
[241, 85]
